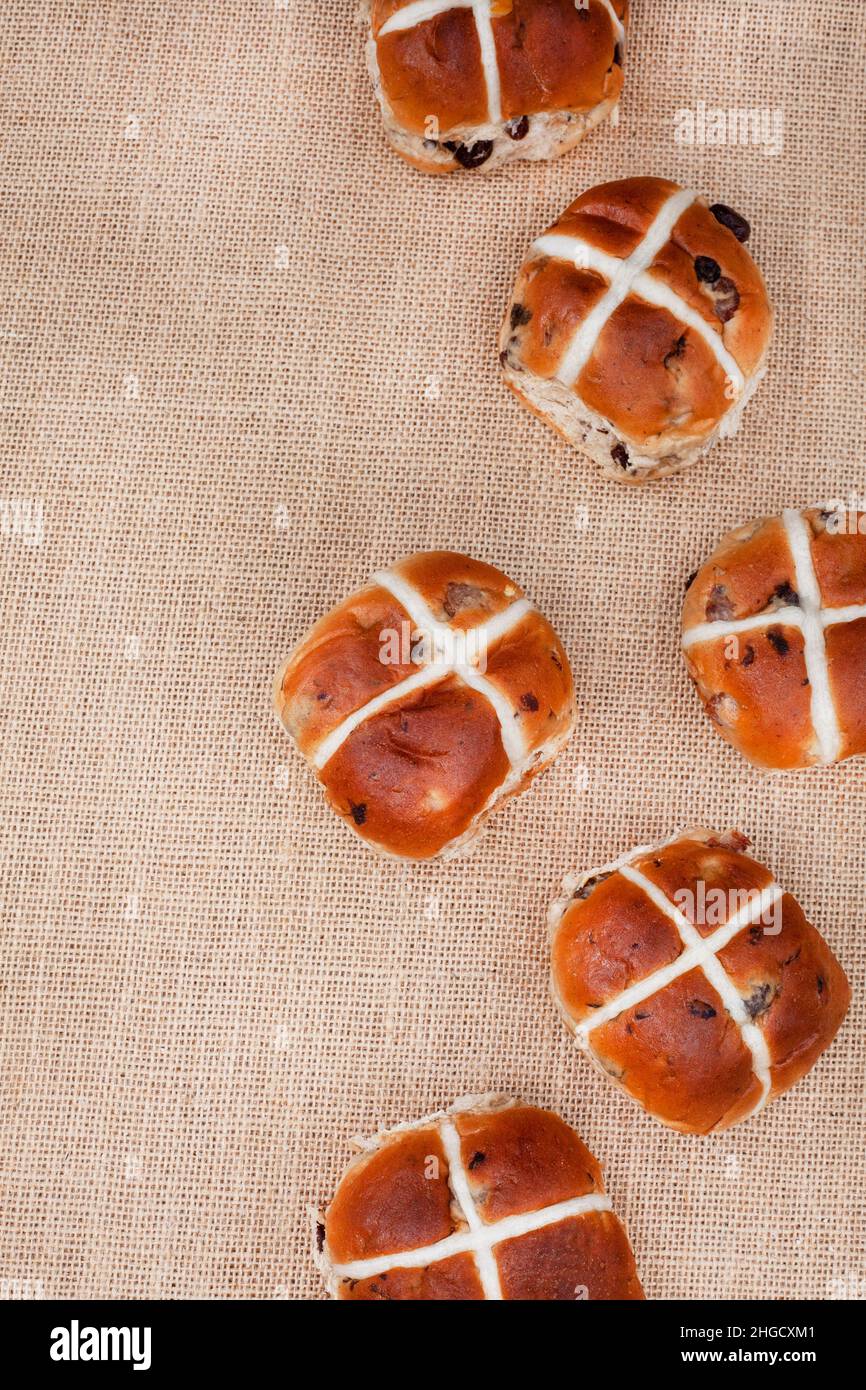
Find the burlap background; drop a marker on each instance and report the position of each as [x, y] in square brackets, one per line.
[248, 357]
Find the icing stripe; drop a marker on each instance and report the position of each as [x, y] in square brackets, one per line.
[420, 12]
[647, 287]
[424, 10]
[785, 617]
[812, 620]
[488, 1271]
[853, 614]
[408, 596]
[502, 623]
[419, 680]
[656, 292]
[444, 640]
[692, 956]
[752, 1036]
[658, 233]
[824, 717]
[615, 20]
[581, 254]
[443, 635]
[470, 1242]
[509, 727]
[438, 669]
[707, 632]
[489, 61]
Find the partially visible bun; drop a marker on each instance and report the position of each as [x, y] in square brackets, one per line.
[474, 86]
[491, 1199]
[774, 638]
[639, 327]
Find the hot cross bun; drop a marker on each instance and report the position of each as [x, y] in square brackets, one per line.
[693, 980]
[426, 699]
[639, 326]
[474, 84]
[492, 1199]
[774, 637]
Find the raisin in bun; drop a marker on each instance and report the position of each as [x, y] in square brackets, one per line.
[427, 698]
[639, 326]
[473, 85]
[492, 1199]
[774, 638]
[694, 981]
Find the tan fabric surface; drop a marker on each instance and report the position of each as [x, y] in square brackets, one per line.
[207, 983]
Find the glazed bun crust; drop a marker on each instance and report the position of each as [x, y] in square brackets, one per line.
[421, 806]
[552, 70]
[700, 1043]
[643, 383]
[774, 637]
[433, 69]
[415, 747]
[489, 1162]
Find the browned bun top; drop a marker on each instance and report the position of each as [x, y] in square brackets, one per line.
[550, 56]
[413, 773]
[433, 70]
[789, 689]
[660, 368]
[443, 1181]
[700, 1036]
[414, 776]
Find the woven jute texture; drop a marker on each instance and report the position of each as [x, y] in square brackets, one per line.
[249, 357]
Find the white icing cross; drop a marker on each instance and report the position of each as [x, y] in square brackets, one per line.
[479, 1238]
[699, 953]
[483, 12]
[440, 666]
[630, 276]
[810, 618]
